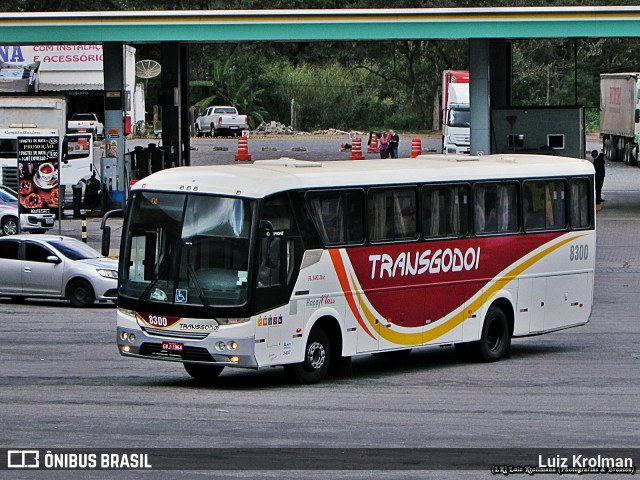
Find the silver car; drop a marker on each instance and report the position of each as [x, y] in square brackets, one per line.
[54, 266]
[29, 222]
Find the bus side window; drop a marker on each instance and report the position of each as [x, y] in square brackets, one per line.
[581, 203]
[338, 216]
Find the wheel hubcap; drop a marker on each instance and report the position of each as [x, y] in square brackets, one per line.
[10, 228]
[315, 355]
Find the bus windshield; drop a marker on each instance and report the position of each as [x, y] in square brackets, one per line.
[187, 249]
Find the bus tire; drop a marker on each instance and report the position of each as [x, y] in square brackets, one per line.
[203, 373]
[496, 337]
[317, 357]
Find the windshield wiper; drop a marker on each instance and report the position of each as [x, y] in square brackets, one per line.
[154, 280]
[196, 282]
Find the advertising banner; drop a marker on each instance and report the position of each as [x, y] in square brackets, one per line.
[38, 171]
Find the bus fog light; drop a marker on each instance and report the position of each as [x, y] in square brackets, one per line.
[232, 345]
[126, 348]
[132, 338]
[124, 335]
[234, 359]
[220, 346]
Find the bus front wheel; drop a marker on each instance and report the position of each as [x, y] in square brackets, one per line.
[317, 357]
[203, 373]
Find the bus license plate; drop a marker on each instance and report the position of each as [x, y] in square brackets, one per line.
[172, 346]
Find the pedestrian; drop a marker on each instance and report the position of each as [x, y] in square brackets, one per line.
[383, 145]
[77, 198]
[598, 165]
[394, 140]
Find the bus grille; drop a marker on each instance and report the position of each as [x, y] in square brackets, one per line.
[173, 334]
[195, 354]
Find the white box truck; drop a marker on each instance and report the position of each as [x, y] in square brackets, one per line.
[456, 115]
[36, 115]
[620, 117]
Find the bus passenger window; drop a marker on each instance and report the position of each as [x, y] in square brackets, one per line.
[544, 205]
[338, 216]
[393, 214]
[445, 211]
[581, 203]
[496, 208]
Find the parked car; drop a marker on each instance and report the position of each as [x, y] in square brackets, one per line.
[29, 222]
[85, 122]
[218, 120]
[54, 266]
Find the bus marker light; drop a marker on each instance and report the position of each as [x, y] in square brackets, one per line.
[298, 330]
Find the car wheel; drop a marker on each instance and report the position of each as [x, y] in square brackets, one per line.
[203, 373]
[80, 294]
[317, 357]
[10, 226]
[198, 132]
[212, 132]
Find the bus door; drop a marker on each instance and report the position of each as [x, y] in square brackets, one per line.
[77, 158]
[279, 257]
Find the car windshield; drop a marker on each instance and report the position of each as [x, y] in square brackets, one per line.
[83, 116]
[186, 249]
[6, 198]
[74, 249]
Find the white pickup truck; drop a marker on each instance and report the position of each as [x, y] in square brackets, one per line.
[85, 122]
[218, 120]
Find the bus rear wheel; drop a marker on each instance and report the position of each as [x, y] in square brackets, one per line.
[317, 356]
[203, 373]
[496, 337]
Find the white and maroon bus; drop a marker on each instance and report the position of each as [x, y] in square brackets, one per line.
[306, 264]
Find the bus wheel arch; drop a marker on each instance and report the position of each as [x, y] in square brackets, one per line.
[322, 352]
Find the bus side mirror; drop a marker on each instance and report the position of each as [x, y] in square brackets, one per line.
[273, 253]
[637, 119]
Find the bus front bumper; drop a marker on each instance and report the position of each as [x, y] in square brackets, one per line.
[212, 350]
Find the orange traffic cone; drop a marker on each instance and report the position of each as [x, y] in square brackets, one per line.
[243, 149]
[373, 145]
[356, 150]
[416, 147]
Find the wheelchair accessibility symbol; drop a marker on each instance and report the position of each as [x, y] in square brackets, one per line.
[181, 296]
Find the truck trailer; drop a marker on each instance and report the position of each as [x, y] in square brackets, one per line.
[620, 117]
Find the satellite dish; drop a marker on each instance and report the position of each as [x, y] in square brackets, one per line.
[147, 69]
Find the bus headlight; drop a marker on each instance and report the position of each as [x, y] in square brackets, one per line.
[232, 345]
[220, 346]
[126, 312]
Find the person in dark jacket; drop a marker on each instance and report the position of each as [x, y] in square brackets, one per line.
[598, 164]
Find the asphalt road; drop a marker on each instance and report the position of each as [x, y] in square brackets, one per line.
[64, 385]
